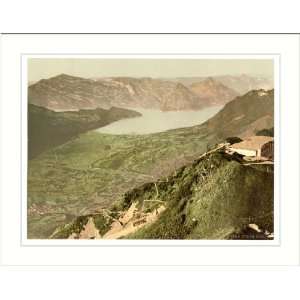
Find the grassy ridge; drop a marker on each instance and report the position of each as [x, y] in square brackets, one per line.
[214, 198]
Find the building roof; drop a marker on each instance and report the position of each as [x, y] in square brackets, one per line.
[253, 142]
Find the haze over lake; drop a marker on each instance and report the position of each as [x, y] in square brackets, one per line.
[153, 121]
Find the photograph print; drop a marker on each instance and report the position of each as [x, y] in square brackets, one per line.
[150, 148]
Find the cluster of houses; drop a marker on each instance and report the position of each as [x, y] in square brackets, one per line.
[254, 147]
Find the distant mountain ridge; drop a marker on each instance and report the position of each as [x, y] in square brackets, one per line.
[67, 93]
[214, 91]
[163, 95]
[240, 83]
[244, 83]
[64, 92]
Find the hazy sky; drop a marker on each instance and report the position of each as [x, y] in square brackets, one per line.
[39, 68]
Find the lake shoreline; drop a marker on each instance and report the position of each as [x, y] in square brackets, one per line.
[156, 121]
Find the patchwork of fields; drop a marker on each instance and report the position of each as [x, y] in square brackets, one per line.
[95, 170]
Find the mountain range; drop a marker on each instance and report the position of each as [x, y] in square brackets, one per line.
[245, 83]
[65, 92]
[240, 83]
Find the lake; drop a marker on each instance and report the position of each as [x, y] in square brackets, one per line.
[153, 121]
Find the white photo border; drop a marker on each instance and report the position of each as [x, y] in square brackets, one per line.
[16, 251]
[153, 243]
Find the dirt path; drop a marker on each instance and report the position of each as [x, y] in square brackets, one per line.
[212, 151]
[90, 231]
[268, 162]
[132, 221]
[128, 223]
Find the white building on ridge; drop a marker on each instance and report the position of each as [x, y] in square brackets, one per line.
[255, 146]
